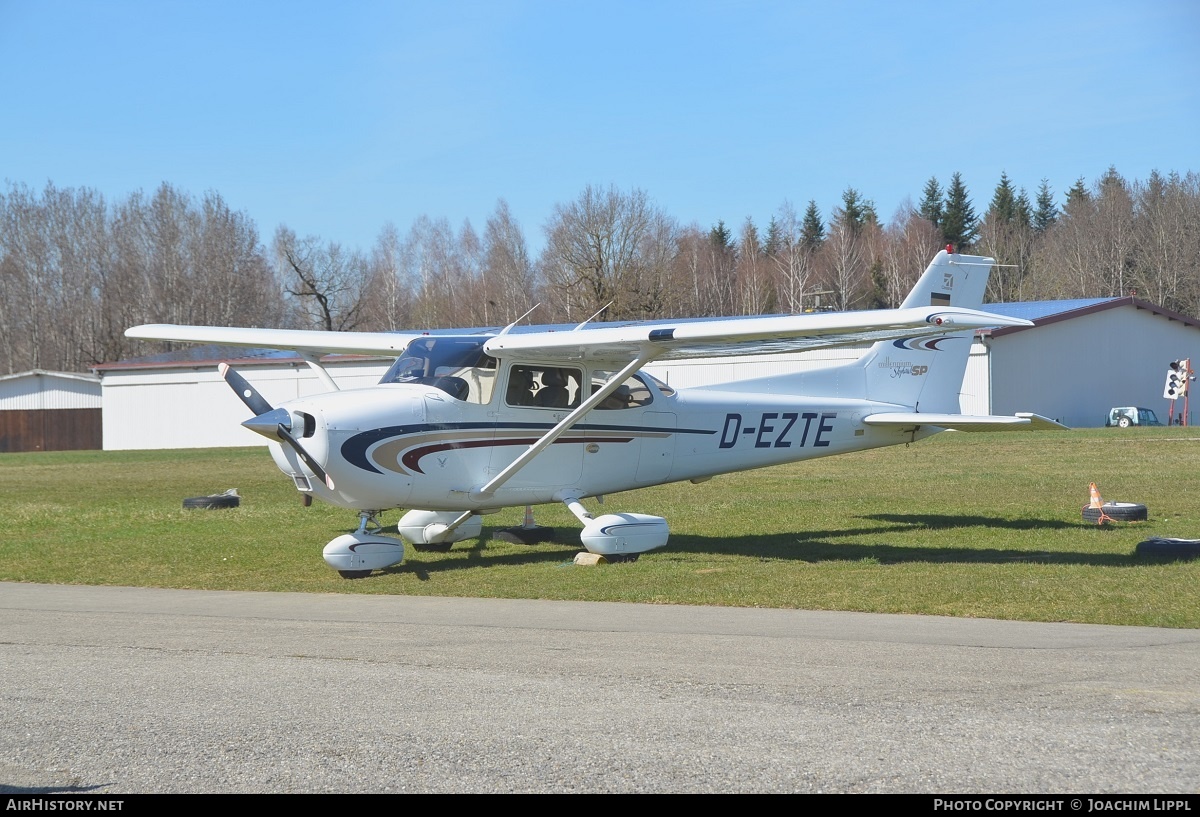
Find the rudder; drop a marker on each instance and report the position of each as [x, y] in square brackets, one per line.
[926, 374]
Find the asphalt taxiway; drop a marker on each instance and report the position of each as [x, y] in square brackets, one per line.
[114, 690]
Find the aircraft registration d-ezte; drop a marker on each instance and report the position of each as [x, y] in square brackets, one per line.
[466, 424]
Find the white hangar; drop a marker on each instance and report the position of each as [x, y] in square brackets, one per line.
[180, 400]
[1080, 358]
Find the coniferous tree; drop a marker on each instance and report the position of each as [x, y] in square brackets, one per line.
[855, 209]
[959, 223]
[721, 236]
[877, 298]
[870, 215]
[1077, 195]
[1023, 214]
[1004, 201]
[1047, 211]
[812, 228]
[774, 238]
[846, 254]
[931, 203]
[1005, 235]
[750, 242]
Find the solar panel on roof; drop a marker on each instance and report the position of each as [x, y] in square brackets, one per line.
[1035, 310]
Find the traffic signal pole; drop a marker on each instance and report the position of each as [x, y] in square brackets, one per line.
[1188, 377]
[1179, 376]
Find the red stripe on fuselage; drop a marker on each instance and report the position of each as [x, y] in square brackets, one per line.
[412, 458]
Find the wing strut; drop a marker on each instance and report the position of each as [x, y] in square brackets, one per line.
[553, 434]
[314, 363]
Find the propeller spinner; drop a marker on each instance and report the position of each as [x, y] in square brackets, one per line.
[269, 421]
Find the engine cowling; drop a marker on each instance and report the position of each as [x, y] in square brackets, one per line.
[621, 533]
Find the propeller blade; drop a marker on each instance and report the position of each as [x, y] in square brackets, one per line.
[248, 394]
[270, 422]
[304, 455]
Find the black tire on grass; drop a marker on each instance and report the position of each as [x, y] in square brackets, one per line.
[1117, 511]
[1168, 549]
[216, 501]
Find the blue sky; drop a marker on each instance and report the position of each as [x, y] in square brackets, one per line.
[336, 119]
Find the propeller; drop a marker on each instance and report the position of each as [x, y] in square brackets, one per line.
[269, 421]
[249, 395]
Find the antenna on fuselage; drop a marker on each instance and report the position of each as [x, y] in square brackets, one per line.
[504, 331]
[589, 320]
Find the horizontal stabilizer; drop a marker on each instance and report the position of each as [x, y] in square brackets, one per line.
[1022, 421]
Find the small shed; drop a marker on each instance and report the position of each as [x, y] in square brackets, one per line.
[50, 411]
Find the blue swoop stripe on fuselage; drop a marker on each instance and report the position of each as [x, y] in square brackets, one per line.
[354, 450]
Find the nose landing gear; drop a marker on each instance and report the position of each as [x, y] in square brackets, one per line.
[355, 555]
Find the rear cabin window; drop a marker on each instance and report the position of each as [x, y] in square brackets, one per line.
[633, 393]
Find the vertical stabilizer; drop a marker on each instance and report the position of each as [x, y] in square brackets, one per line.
[926, 374]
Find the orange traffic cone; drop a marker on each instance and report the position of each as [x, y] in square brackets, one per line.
[1098, 503]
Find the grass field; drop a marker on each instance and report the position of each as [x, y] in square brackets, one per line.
[981, 525]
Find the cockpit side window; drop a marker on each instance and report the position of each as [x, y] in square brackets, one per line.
[543, 386]
[456, 365]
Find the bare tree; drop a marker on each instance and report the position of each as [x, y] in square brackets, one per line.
[1068, 253]
[509, 273]
[444, 268]
[793, 260]
[1114, 209]
[910, 241]
[599, 250]
[1167, 226]
[756, 291]
[657, 250]
[1006, 234]
[846, 254]
[695, 295]
[233, 284]
[392, 291]
[327, 282]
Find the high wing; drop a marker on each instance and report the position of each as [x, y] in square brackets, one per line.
[300, 340]
[665, 340]
[741, 336]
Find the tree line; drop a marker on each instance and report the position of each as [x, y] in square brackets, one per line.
[77, 270]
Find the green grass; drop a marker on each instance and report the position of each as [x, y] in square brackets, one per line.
[984, 525]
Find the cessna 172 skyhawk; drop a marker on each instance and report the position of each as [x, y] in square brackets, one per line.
[462, 425]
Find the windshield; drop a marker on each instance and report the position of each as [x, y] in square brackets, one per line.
[456, 365]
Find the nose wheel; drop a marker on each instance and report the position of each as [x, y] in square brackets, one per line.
[356, 555]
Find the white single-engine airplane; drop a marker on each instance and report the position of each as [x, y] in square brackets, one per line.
[463, 425]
